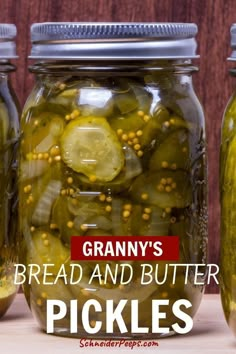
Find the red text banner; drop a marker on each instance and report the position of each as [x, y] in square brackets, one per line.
[163, 248]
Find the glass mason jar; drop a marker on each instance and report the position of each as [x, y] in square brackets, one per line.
[9, 137]
[228, 203]
[113, 144]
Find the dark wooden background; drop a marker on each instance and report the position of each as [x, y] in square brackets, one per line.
[213, 84]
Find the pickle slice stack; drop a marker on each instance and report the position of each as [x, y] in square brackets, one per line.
[228, 239]
[110, 157]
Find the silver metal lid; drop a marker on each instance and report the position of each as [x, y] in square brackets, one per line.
[97, 41]
[7, 41]
[233, 42]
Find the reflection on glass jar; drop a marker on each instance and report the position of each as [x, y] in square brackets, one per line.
[112, 148]
[9, 136]
[228, 205]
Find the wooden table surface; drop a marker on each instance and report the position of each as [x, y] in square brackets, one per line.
[19, 333]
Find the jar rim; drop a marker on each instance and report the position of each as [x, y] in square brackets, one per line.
[130, 68]
[107, 40]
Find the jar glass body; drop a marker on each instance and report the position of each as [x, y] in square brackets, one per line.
[228, 210]
[116, 150]
[9, 137]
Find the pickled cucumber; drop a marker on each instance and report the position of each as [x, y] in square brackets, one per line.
[127, 123]
[47, 248]
[108, 157]
[132, 168]
[9, 135]
[173, 153]
[228, 240]
[47, 128]
[149, 221]
[91, 147]
[165, 189]
[126, 103]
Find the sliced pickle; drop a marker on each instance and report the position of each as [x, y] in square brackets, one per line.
[46, 248]
[126, 103]
[161, 113]
[121, 222]
[168, 121]
[45, 108]
[159, 125]
[73, 217]
[129, 122]
[32, 169]
[33, 191]
[132, 168]
[30, 199]
[151, 132]
[82, 201]
[70, 93]
[87, 214]
[65, 97]
[172, 153]
[116, 162]
[43, 208]
[63, 220]
[40, 293]
[165, 189]
[143, 97]
[98, 232]
[51, 290]
[43, 132]
[149, 220]
[133, 290]
[89, 146]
